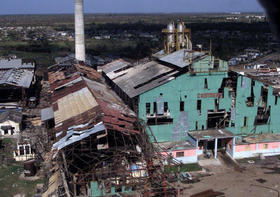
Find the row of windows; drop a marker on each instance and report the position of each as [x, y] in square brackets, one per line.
[165, 107]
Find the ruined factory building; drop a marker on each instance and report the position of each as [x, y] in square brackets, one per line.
[97, 139]
[16, 78]
[182, 90]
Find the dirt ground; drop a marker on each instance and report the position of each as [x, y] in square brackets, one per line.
[260, 179]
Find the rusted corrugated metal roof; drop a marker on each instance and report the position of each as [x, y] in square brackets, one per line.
[73, 104]
[84, 101]
[89, 72]
[117, 118]
[61, 72]
[55, 76]
[59, 83]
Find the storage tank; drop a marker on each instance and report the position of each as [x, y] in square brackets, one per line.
[180, 29]
[170, 29]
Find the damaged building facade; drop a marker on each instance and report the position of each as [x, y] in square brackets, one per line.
[182, 93]
[99, 146]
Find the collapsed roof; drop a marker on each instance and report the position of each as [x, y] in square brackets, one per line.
[135, 80]
[16, 77]
[11, 115]
[78, 100]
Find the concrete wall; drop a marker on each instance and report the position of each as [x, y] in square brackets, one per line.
[190, 155]
[254, 150]
[191, 88]
[187, 88]
[250, 112]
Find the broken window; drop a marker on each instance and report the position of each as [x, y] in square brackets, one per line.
[148, 108]
[245, 122]
[155, 108]
[165, 107]
[198, 106]
[21, 150]
[216, 63]
[205, 84]
[182, 106]
[159, 121]
[262, 115]
[216, 104]
[180, 154]
[216, 119]
[27, 150]
[250, 100]
[264, 94]
[276, 100]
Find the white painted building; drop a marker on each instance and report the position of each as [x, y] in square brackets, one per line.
[10, 123]
[23, 152]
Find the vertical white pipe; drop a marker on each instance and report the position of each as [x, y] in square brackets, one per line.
[79, 31]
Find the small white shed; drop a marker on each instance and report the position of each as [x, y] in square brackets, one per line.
[10, 122]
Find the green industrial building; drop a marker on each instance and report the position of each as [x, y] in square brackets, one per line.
[176, 98]
[182, 90]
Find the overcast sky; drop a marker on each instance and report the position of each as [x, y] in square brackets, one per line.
[128, 6]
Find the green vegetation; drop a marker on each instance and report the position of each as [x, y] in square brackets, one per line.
[133, 36]
[182, 168]
[10, 171]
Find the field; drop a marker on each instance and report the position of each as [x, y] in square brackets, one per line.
[10, 171]
[230, 34]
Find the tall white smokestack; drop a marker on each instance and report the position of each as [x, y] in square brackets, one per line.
[79, 31]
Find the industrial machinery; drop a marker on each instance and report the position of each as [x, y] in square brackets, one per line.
[177, 38]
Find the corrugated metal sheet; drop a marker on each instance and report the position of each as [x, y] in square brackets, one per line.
[61, 83]
[60, 72]
[115, 66]
[47, 114]
[84, 101]
[74, 104]
[141, 78]
[73, 135]
[181, 58]
[16, 64]
[18, 78]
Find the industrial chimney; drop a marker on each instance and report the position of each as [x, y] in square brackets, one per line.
[79, 31]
